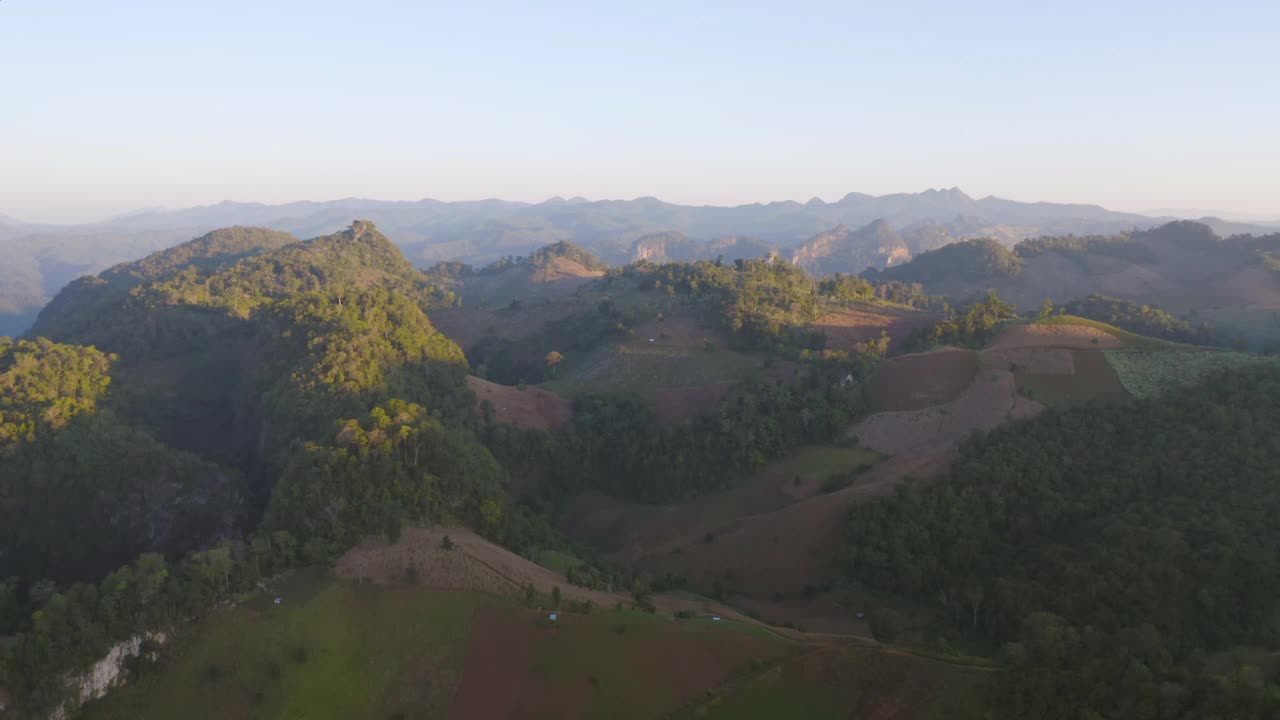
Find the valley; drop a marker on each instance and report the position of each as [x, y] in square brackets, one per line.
[738, 464]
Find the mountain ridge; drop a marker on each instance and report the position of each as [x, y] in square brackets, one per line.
[44, 258]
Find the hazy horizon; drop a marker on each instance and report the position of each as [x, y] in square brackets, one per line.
[138, 105]
[1181, 213]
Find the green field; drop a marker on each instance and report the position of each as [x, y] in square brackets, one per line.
[336, 649]
[1149, 373]
[817, 461]
[330, 650]
[556, 560]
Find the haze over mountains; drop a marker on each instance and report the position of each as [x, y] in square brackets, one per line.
[849, 235]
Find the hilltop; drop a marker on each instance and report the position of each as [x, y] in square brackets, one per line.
[1183, 267]
[45, 257]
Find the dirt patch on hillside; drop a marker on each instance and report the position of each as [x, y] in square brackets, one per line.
[470, 324]
[673, 406]
[990, 400]
[1042, 361]
[921, 380]
[477, 564]
[510, 673]
[773, 552]
[563, 276]
[847, 327]
[1133, 281]
[1055, 336]
[1092, 379]
[531, 407]
[1252, 288]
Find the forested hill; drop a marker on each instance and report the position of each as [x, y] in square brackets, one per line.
[1182, 267]
[81, 492]
[274, 399]
[235, 327]
[74, 309]
[236, 347]
[1110, 551]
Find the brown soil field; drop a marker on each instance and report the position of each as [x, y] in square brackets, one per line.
[561, 278]
[495, 676]
[1134, 281]
[1252, 288]
[1042, 361]
[675, 405]
[1055, 336]
[678, 664]
[990, 400]
[532, 407]
[477, 564]
[921, 380]
[668, 363]
[635, 529]
[469, 325]
[779, 551]
[1092, 379]
[847, 327]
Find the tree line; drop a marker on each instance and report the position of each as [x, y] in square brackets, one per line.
[1109, 552]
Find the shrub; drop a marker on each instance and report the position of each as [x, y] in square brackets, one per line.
[887, 625]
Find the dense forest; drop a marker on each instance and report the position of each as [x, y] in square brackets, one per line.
[615, 444]
[179, 427]
[972, 327]
[1144, 320]
[328, 388]
[1109, 550]
[81, 492]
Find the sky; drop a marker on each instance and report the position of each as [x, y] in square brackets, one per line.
[107, 107]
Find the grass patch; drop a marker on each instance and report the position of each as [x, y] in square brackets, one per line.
[1147, 374]
[556, 560]
[817, 461]
[1132, 340]
[772, 696]
[344, 650]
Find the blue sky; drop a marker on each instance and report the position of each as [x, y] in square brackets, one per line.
[111, 106]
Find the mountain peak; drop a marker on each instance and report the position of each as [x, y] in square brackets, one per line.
[951, 193]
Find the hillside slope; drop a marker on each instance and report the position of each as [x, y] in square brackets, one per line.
[1182, 267]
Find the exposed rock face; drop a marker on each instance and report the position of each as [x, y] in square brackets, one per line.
[842, 249]
[107, 673]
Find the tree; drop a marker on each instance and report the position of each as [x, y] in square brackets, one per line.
[1046, 310]
[555, 598]
[887, 624]
[553, 360]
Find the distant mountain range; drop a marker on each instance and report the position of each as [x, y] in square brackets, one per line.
[849, 235]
